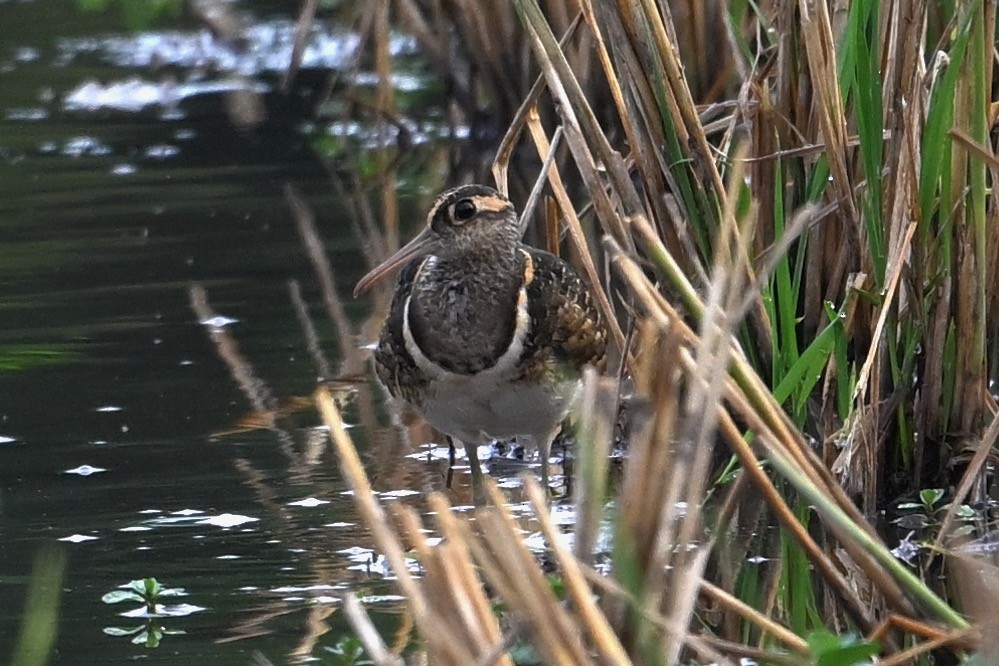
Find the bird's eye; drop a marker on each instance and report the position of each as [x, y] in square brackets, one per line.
[464, 210]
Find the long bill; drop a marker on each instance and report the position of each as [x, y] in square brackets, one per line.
[423, 244]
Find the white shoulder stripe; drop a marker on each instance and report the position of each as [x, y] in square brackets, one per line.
[508, 361]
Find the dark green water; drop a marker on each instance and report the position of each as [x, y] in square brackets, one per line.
[123, 183]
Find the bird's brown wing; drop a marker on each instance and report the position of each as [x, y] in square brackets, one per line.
[393, 363]
[568, 331]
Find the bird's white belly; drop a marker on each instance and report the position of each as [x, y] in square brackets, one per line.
[478, 408]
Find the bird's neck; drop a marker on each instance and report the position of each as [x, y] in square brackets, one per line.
[463, 309]
[488, 265]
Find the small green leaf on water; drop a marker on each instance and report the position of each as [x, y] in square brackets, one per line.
[119, 631]
[348, 652]
[912, 521]
[963, 531]
[930, 496]
[117, 596]
[966, 512]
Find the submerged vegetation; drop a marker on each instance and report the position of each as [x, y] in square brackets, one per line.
[786, 206]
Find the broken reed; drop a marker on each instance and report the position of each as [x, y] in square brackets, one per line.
[818, 204]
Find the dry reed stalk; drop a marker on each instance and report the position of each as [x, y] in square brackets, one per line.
[451, 583]
[580, 123]
[977, 583]
[965, 270]
[757, 392]
[649, 510]
[427, 620]
[820, 48]
[734, 650]
[706, 45]
[701, 405]
[806, 463]
[303, 24]
[367, 633]
[654, 304]
[507, 146]
[454, 618]
[597, 413]
[477, 50]
[912, 655]
[315, 250]
[668, 172]
[765, 623]
[965, 638]
[904, 108]
[863, 474]
[527, 212]
[602, 637]
[512, 570]
[660, 26]
[542, 143]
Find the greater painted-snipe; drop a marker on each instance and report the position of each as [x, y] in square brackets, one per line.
[486, 337]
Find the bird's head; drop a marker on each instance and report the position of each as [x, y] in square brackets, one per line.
[463, 221]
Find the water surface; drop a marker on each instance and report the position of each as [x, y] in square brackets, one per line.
[122, 442]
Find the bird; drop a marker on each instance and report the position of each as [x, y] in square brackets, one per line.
[486, 337]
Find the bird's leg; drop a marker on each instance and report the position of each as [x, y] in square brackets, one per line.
[478, 492]
[450, 461]
[544, 452]
[568, 469]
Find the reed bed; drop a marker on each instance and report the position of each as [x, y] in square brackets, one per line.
[785, 207]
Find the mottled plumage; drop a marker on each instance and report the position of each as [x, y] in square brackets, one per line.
[567, 332]
[486, 337]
